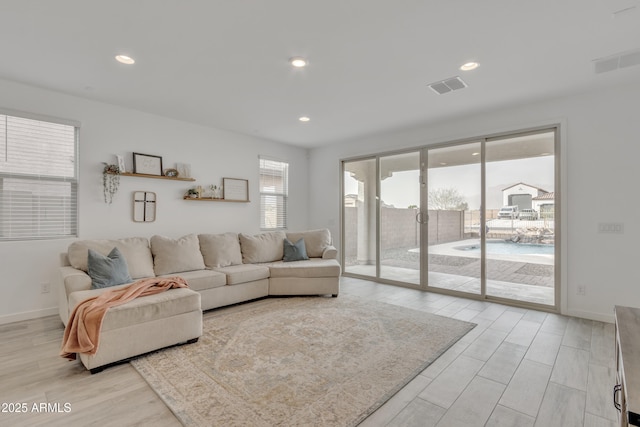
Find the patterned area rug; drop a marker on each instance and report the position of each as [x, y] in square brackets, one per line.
[297, 361]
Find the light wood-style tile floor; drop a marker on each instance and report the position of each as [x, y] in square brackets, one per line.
[516, 368]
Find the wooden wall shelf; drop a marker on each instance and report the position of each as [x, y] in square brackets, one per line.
[143, 175]
[211, 199]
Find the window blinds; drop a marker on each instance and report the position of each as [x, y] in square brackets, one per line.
[38, 179]
[274, 183]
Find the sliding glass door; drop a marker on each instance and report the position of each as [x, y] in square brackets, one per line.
[399, 206]
[454, 195]
[359, 217]
[475, 218]
[520, 193]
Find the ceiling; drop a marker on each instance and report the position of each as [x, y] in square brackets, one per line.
[225, 63]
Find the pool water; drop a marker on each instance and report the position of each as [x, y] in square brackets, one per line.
[510, 248]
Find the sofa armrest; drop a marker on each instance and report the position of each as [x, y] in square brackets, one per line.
[71, 280]
[330, 252]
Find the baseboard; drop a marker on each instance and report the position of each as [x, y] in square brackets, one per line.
[28, 315]
[608, 318]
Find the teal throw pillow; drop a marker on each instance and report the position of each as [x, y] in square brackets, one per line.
[105, 271]
[294, 251]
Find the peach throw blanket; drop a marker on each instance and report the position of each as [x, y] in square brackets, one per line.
[82, 334]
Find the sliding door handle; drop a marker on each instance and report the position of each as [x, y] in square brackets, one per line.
[616, 389]
[420, 218]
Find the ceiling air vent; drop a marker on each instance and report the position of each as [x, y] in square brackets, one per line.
[619, 60]
[448, 85]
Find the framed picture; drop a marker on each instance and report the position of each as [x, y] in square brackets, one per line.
[235, 189]
[147, 164]
[184, 170]
[121, 166]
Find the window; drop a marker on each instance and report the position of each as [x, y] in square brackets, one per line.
[274, 190]
[38, 179]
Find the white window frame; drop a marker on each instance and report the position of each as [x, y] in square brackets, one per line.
[273, 195]
[48, 205]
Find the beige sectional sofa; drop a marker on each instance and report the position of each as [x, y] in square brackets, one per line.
[221, 269]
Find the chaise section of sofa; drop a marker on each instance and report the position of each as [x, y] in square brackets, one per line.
[145, 324]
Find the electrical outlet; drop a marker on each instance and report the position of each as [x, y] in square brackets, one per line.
[45, 288]
[582, 290]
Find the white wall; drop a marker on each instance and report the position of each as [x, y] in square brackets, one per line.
[601, 135]
[107, 130]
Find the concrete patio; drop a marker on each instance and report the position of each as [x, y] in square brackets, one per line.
[522, 277]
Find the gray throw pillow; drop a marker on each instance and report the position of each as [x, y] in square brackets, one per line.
[106, 271]
[294, 251]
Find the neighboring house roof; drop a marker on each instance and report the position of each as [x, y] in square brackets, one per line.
[528, 185]
[546, 196]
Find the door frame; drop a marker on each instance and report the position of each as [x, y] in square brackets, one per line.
[560, 251]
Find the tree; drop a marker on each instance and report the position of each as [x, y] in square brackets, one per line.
[447, 199]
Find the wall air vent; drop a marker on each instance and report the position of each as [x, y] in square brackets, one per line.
[619, 60]
[447, 85]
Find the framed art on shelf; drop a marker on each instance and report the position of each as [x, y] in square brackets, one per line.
[121, 165]
[184, 170]
[147, 164]
[235, 189]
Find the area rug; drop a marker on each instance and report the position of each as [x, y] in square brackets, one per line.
[297, 361]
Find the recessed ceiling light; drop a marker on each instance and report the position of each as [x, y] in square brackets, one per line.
[475, 154]
[443, 163]
[298, 62]
[304, 119]
[124, 59]
[469, 66]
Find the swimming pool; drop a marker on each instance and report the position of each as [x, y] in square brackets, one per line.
[503, 247]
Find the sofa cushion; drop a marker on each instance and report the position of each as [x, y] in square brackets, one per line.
[315, 241]
[176, 256]
[135, 250]
[220, 250]
[294, 251]
[106, 271]
[244, 273]
[313, 267]
[201, 280]
[143, 309]
[265, 247]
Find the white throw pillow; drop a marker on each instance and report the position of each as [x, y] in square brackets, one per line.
[265, 247]
[220, 250]
[134, 249]
[175, 256]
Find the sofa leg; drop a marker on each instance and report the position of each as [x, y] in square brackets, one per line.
[96, 370]
[192, 341]
[334, 295]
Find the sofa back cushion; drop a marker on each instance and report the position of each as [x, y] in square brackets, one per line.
[176, 255]
[315, 241]
[220, 250]
[134, 249]
[265, 247]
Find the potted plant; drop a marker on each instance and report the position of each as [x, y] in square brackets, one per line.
[110, 181]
